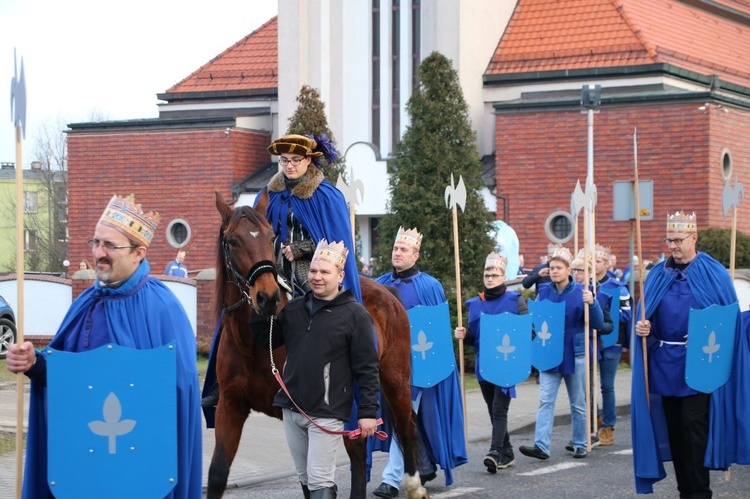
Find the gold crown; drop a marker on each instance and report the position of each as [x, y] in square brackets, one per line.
[682, 222]
[409, 237]
[495, 261]
[333, 253]
[580, 259]
[602, 252]
[551, 247]
[562, 253]
[124, 215]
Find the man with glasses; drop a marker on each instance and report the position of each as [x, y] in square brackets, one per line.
[703, 430]
[128, 308]
[495, 299]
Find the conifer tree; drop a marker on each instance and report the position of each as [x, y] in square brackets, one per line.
[438, 142]
[310, 119]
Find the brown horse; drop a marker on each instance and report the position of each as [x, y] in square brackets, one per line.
[246, 281]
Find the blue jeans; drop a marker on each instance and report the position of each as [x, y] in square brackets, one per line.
[608, 367]
[549, 385]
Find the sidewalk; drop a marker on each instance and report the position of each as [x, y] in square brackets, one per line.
[263, 454]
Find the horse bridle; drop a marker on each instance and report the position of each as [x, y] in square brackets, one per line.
[244, 283]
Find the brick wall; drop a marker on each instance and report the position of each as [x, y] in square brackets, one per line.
[172, 172]
[541, 155]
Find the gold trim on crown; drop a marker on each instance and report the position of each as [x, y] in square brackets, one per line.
[562, 253]
[409, 237]
[333, 253]
[496, 261]
[602, 252]
[682, 222]
[124, 215]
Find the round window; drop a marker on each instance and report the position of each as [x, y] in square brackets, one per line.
[178, 233]
[726, 164]
[559, 227]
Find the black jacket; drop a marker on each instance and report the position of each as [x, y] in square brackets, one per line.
[326, 352]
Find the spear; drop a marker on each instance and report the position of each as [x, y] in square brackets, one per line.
[642, 299]
[455, 196]
[18, 117]
[350, 194]
[730, 199]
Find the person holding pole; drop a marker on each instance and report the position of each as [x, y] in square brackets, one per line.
[128, 308]
[439, 409]
[698, 431]
[562, 288]
[495, 299]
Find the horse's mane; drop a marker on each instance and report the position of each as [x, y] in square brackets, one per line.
[221, 275]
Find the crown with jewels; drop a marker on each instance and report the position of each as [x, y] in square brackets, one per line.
[682, 222]
[580, 259]
[495, 261]
[562, 253]
[333, 253]
[551, 247]
[124, 215]
[602, 252]
[409, 237]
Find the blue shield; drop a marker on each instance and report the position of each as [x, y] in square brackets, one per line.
[610, 339]
[505, 348]
[112, 422]
[549, 324]
[432, 358]
[710, 346]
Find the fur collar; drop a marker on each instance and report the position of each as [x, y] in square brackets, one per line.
[304, 188]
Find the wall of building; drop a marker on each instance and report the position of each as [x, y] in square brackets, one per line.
[678, 148]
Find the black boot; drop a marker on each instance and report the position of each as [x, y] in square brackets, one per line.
[305, 491]
[212, 399]
[328, 493]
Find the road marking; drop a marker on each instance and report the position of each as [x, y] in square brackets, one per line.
[625, 452]
[459, 492]
[553, 469]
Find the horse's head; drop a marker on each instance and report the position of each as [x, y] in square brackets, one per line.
[246, 268]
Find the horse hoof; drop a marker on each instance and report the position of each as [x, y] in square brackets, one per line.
[414, 488]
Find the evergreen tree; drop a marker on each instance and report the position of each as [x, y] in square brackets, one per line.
[438, 142]
[717, 242]
[310, 119]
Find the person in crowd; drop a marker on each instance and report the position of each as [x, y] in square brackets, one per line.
[495, 299]
[440, 404]
[612, 270]
[540, 274]
[84, 265]
[328, 337]
[125, 307]
[703, 430]
[303, 208]
[562, 288]
[177, 266]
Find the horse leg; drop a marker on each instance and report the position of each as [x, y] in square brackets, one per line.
[230, 418]
[398, 396]
[357, 450]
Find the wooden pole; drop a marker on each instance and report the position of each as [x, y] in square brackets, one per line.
[19, 309]
[733, 243]
[594, 361]
[641, 300]
[586, 321]
[459, 315]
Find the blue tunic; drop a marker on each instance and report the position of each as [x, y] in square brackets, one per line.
[441, 408]
[728, 424]
[143, 314]
[507, 302]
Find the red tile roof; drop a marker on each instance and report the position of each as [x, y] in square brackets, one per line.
[549, 35]
[249, 64]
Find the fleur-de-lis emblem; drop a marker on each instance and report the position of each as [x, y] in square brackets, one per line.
[422, 345]
[544, 333]
[712, 347]
[455, 195]
[731, 195]
[350, 191]
[112, 427]
[505, 348]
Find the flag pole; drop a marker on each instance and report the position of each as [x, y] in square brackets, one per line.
[641, 299]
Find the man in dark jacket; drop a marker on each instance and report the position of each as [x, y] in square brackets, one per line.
[329, 343]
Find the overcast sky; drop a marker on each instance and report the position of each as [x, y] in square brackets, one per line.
[110, 59]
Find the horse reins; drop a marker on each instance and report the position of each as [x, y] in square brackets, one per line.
[352, 434]
[244, 283]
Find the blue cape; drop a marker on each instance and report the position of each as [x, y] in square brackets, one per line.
[440, 416]
[729, 427]
[325, 216]
[125, 307]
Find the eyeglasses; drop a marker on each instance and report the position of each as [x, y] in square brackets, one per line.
[294, 161]
[106, 245]
[493, 276]
[678, 241]
[579, 271]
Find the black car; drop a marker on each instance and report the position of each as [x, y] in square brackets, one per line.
[7, 327]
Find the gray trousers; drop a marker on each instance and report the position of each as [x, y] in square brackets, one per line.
[313, 450]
